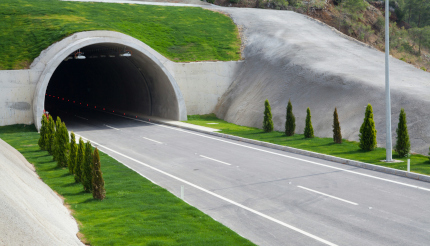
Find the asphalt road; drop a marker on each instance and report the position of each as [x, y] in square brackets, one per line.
[268, 196]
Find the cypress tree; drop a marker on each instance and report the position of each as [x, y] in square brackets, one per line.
[367, 131]
[87, 168]
[403, 146]
[63, 145]
[79, 161]
[337, 135]
[309, 130]
[42, 137]
[97, 178]
[290, 123]
[267, 123]
[51, 135]
[57, 139]
[73, 153]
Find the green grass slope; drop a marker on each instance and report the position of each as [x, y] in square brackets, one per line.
[182, 34]
[135, 211]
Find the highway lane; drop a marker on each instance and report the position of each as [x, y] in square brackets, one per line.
[320, 200]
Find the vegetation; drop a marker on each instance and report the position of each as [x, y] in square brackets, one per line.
[337, 135]
[57, 139]
[267, 122]
[87, 168]
[180, 33]
[367, 131]
[73, 153]
[348, 149]
[43, 129]
[63, 146]
[97, 181]
[290, 122]
[51, 135]
[403, 146]
[309, 130]
[135, 210]
[79, 161]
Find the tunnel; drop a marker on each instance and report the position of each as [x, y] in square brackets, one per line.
[119, 77]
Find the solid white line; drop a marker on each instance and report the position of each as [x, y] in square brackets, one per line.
[112, 127]
[215, 160]
[152, 140]
[283, 155]
[220, 197]
[81, 117]
[340, 199]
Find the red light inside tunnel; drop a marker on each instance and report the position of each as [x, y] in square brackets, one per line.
[95, 106]
[124, 113]
[87, 105]
[103, 108]
[113, 111]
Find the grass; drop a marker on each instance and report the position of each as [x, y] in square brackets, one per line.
[348, 149]
[135, 211]
[182, 34]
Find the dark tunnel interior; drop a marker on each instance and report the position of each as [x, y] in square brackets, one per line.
[106, 79]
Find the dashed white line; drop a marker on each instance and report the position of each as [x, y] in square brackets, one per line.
[220, 197]
[152, 140]
[81, 117]
[337, 198]
[215, 160]
[113, 127]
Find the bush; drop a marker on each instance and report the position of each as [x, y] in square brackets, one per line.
[97, 178]
[290, 122]
[51, 135]
[63, 145]
[43, 129]
[267, 123]
[57, 133]
[87, 168]
[79, 161]
[72, 154]
[403, 146]
[337, 135]
[309, 130]
[367, 131]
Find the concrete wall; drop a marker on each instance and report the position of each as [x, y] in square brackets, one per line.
[192, 88]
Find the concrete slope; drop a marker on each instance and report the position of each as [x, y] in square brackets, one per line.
[30, 212]
[289, 56]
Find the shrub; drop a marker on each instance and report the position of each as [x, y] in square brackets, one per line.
[57, 140]
[337, 135]
[79, 161]
[424, 69]
[87, 168]
[309, 130]
[72, 154]
[267, 123]
[403, 146]
[51, 135]
[290, 122]
[63, 145]
[367, 131]
[43, 129]
[97, 178]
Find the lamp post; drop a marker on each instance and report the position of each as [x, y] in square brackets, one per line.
[388, 146]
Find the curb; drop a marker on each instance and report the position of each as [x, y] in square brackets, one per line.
[388, 170]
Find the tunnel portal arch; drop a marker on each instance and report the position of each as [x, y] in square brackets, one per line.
[166, 98]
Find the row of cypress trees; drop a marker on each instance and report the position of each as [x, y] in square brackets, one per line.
[81, 161]
[367, 130]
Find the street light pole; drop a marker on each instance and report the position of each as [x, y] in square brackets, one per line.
[388, 146]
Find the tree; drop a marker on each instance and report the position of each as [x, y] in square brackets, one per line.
[97, 178]
[42, 137]
[87, 168]
[267, 123]
[63, 145]
[56, 147]
[79, 161]
[290, 123]
[403, 146]
[73, 153]
[337, 135]
[309, 130]
[51, 135]
[367, 131]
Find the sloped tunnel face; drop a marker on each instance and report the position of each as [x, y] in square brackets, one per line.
[111, 81]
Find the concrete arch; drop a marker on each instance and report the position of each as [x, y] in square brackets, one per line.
[167, 99]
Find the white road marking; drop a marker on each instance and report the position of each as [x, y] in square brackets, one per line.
[81, 117]
[113, 127]
[218, 196]
[152, 140]
[215, 160]
[283, 155]
[337, 198]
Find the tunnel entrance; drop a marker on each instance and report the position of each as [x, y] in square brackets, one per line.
[108, 71]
